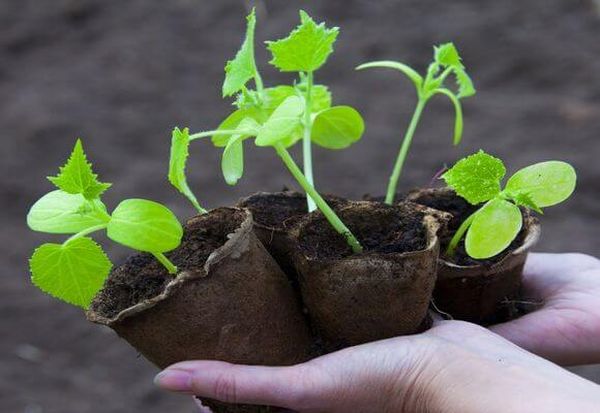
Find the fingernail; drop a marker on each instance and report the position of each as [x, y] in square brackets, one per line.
[174, 380]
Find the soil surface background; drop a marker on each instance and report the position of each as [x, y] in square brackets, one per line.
[123, 74]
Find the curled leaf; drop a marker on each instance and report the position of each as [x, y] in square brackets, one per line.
[180, 142]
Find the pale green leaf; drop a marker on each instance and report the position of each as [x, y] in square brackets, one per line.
[77, 176]
[337, 127]
[525, 200]
[412, 74]
[243, 67]
[232, 161]
[546, 183]
[458, 117]
[282, 124]
[320, 98]
[61, 213]
[232, 122]
[306, 48]
[177, 162]
[494, 227]
[145, 226]
[73, 272]
[476, 178]
[274, 96]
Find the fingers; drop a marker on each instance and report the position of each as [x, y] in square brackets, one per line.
[546, 274]
[288, 387]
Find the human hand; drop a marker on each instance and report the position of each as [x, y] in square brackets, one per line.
[566, 329]
[455, 366]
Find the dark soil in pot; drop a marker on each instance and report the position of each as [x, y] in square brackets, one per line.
[481, 291]
[383, 291]
[230, 301]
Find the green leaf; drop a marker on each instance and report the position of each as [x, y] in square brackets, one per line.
[243, 67]
[180, 142]
[494, 227]
[232, 161]
[525, 200]
[320, 98]
[465, 84]
[73, 272]
[447, 55]
[546, 183]
[283, 123]
[232, 121]
[337, 127]
[61, 213]
[458, 118]
[412, 74]
[477, 177]
[77, 176]
[306, 48]
[274, 96]
[145, 226]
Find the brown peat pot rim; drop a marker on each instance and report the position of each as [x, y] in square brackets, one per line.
[237, 239]
[532, 234]
[431, 222]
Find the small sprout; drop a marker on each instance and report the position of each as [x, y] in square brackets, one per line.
[491, 229]
[305, 50]
[75, 270]
[278, 116]
[446, 61]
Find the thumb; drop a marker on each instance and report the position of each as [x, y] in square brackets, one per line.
[293, 387]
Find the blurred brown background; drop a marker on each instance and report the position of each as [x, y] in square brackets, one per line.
[122, 74]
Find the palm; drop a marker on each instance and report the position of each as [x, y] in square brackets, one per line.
[566, 329]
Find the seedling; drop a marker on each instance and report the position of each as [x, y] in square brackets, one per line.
[75, 270]
[278, 116]
[446, 61]
[491, 229]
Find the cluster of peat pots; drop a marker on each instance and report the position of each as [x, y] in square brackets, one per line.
[268, 283]
[283, 277]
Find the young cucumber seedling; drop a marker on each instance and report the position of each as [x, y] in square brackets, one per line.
[278, 116]
[492, 228]
[446, 61]
[75, 270]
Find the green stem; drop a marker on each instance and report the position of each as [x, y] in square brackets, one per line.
[391, 190]
[331, 216]
[206, 134]
[444, 75]
[85, 232]
[306, 143]
[165, 261]
[258, 82]
[451, 250]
